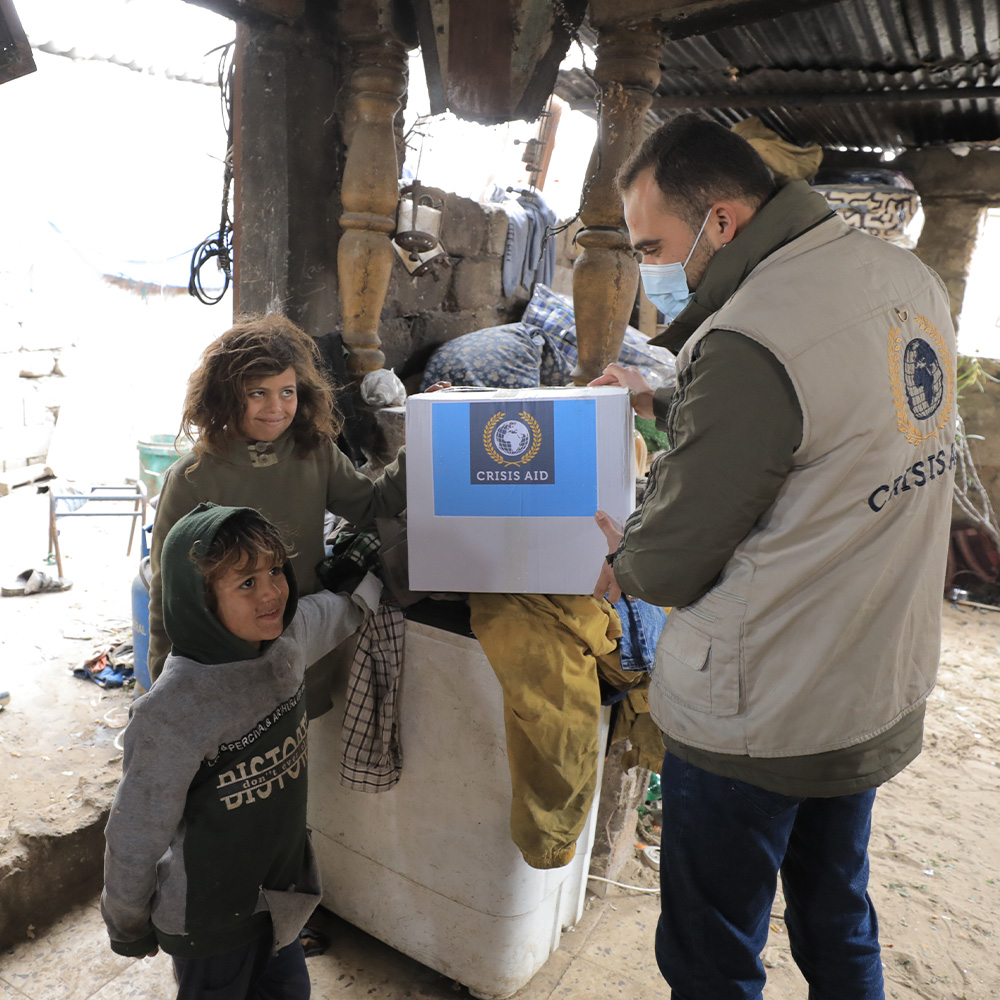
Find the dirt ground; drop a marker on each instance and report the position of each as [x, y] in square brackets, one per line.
[935, 855]
[58, 762]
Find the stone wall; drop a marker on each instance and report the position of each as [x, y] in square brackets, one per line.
[29, 405]
[421, 312]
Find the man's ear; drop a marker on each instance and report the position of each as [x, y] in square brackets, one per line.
[726, 221]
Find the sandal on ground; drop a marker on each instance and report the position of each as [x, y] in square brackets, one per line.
[16, 589]
[41, 583]
[35, 581]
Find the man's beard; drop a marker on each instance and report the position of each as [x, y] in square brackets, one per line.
[699, 262]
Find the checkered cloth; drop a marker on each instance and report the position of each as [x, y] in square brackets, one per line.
[372, 758]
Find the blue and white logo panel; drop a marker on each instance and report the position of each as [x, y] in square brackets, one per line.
[515, 458]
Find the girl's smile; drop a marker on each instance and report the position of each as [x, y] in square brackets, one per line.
[271, 403]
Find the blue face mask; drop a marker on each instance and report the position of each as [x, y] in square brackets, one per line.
[666, 285]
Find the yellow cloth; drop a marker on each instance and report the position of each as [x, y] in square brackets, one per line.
[787, 161]
[547, 652]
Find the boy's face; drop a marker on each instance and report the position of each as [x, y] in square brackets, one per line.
[271, 403]
[250, 601]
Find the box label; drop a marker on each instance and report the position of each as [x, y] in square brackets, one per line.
[511, 443]
[516, 458]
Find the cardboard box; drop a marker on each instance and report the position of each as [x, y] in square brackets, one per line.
[503, 484]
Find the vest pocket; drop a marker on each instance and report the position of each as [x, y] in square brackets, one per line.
[698, 659]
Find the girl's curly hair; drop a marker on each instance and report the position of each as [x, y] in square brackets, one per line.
[257, 347]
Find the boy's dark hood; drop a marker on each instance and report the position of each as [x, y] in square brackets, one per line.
[193, 629]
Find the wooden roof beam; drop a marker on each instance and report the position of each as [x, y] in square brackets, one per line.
[15, 52]
[285, 11]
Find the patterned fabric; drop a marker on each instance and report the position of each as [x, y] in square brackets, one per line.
[540, 350]
[359, 547]
[515, 356]
[552, 313]
[372, 758]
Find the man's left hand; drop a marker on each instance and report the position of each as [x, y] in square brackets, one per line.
[607, 584]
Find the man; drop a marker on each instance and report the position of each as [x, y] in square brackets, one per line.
[798, 526]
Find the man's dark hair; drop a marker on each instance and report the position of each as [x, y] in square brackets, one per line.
[697, 162]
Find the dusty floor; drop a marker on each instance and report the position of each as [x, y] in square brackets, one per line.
[935, 853]
[57, 753]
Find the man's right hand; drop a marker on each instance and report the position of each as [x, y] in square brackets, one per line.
[639, 392]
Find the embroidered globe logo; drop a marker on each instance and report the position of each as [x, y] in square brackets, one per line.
[512, 438]
[923, 378]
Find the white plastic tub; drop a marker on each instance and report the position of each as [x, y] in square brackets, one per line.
[429, 867]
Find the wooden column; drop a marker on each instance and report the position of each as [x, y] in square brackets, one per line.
[606, 275]
[369, 196]
[287, 164]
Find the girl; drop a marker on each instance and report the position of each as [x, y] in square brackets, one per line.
[266, 424]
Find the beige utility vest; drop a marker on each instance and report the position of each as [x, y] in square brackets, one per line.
[824, 627]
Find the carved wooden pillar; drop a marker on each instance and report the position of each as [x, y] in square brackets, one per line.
[606, 275]
[369, 196]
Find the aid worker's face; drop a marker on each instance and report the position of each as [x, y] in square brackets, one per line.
[271, 403]
[250, 601]
[661, 237]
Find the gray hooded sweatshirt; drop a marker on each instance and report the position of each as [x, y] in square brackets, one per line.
[206, 842]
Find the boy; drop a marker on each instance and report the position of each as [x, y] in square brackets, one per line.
[207, 851]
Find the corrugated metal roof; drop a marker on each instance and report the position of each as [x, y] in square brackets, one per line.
[879, 73]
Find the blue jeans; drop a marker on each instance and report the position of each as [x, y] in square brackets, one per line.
[249, 972]
[724, 842]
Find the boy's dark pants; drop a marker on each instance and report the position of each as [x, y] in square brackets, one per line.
[249, 972]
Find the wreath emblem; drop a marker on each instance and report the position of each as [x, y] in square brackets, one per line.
[902, 395]
[497, 423]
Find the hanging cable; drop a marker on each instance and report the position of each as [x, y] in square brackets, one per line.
[219, 246]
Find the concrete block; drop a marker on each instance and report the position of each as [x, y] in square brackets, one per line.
[496, 231]
[437, 327]
[23, 443]
[562, 280]
[476, 283]
[44, 872]
[395, 335]
[408, 296]
[465, 226]
[35, 364]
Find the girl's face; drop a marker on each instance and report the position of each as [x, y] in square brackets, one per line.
[271, 402]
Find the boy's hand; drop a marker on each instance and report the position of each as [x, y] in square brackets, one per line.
[607, 584]
[153, 953]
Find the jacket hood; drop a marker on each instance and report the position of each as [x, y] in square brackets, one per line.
[193, 629]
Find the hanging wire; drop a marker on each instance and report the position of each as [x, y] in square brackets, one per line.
[219, 246]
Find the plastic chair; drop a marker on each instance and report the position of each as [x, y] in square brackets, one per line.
[132, 492]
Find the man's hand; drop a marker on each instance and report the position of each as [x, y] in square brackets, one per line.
[607, 584]
[639, 392]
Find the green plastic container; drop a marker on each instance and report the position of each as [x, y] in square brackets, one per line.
[156, 456]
